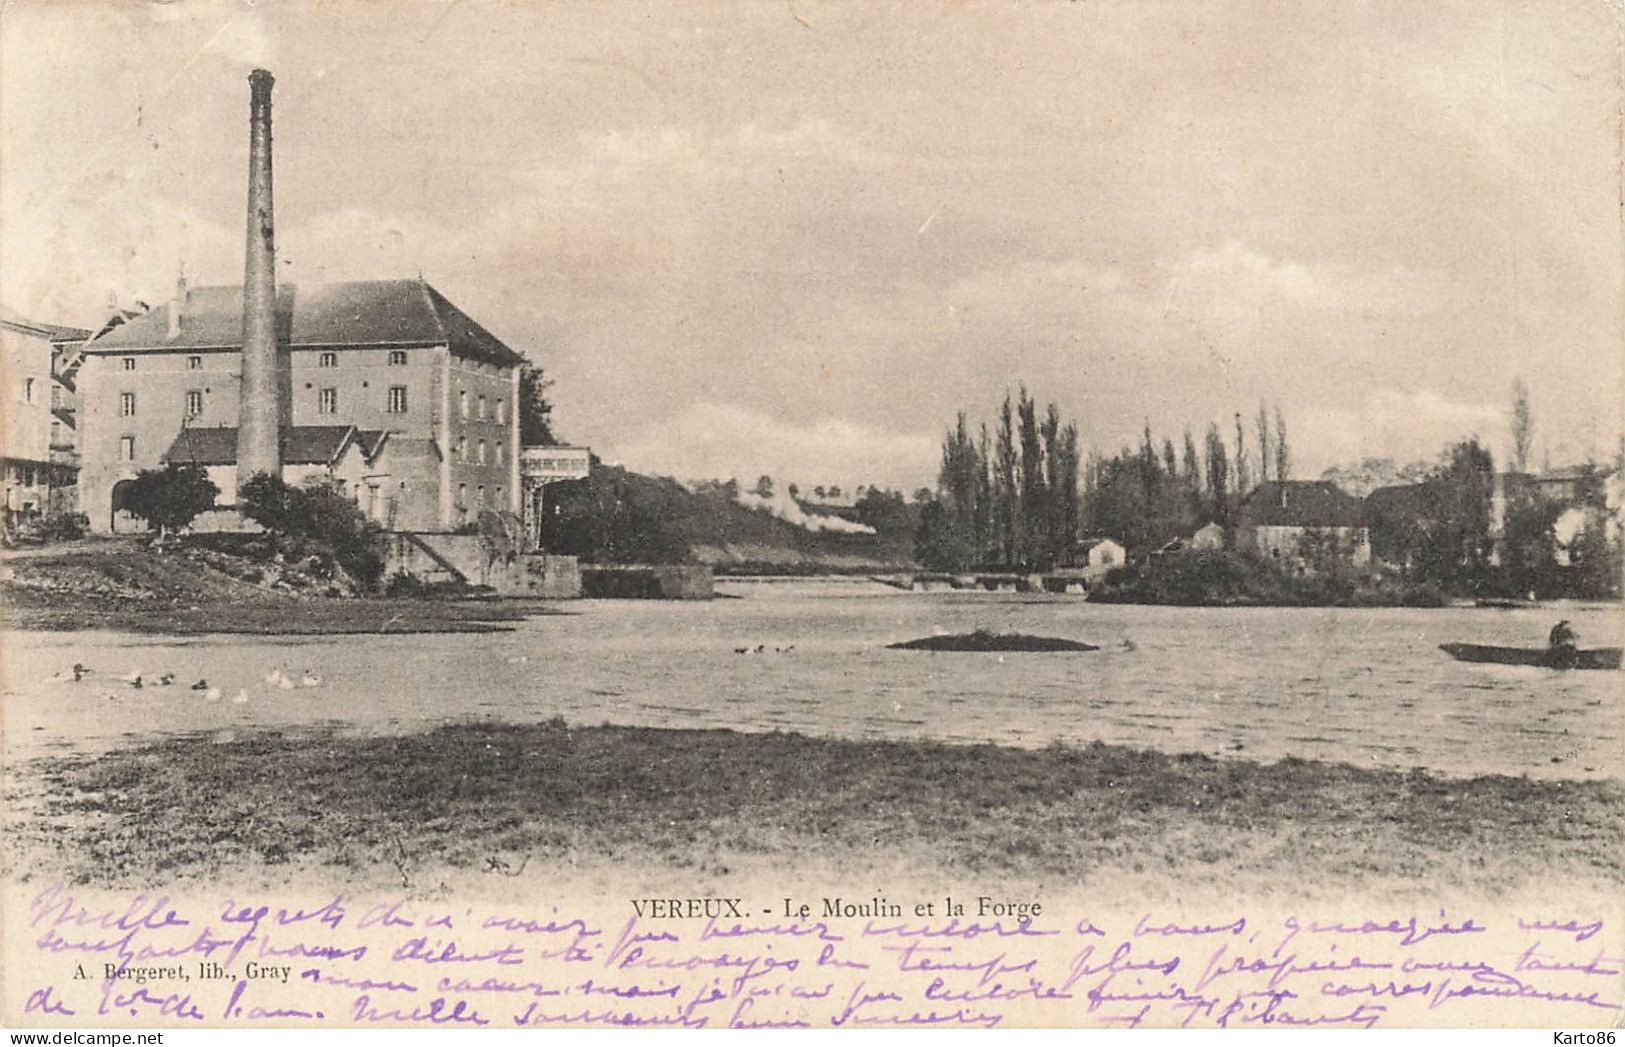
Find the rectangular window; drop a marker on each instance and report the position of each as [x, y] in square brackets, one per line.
[194, 402]
[500, 502]
[498, 449]
[502, 412]
[126, 448]
[129, 363]
[462, 496]
[194, 363]
[397, 358]
[327, 360]
[462, 402]
[482, 452]
[28, 390]
[480, 407]
[126, 405]
[56, 434]
[397, 399]
[327, 401]
[482, 496]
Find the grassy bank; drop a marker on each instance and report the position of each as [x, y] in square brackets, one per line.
[126, 585]
[483, 797]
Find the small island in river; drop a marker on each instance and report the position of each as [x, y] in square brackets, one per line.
[983, 640]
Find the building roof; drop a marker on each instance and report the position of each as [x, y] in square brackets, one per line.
[51, 332]
[370, 313]
[1301, 503]
[301, 444]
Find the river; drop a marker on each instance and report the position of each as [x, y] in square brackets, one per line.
[1367, 687]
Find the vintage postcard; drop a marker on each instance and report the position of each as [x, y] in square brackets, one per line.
[805, 514]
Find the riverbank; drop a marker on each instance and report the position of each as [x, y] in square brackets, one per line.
[126, 585]
[479, 798]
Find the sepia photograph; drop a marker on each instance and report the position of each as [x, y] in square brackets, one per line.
[779, 514]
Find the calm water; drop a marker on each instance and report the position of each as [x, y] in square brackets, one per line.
[1364, 687]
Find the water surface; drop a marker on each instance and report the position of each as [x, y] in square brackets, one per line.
[1367, 687]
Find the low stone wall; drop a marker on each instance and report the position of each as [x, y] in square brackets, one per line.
[655, 582]
[448, 557]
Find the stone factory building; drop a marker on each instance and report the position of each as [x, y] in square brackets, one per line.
[383, 384]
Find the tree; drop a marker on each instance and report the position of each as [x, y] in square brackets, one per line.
[172, 497]
[1218, 478]
[953, 539]
[1523, 427]
[1190, 467]
[1457, 548]
[1006, 507]
[1283, 451]
[764, 486]
[1263, 424]
[1071, 510]
[1243, 480]
[535, 410]
[319, 520]
[795, 491]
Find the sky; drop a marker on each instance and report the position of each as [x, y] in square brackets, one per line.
[796, 237]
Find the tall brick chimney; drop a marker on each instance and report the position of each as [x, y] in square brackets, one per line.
[259, 415]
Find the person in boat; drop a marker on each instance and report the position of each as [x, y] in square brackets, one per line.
[1561, 644]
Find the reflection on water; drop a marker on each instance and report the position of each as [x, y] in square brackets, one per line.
[1367, 687]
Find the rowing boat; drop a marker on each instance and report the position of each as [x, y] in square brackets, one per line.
[1542, 657]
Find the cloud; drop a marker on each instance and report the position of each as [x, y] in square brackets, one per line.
[712, 439]
[1403, 424]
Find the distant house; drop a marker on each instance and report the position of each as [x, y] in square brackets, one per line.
[1281, 518]
[1208, 536]
[1096, 556]
[37, 458]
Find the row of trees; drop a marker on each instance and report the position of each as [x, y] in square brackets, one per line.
[1008, 496]
[1019, 496]
[1151, 494]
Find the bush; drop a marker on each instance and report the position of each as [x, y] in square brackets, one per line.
[317, 520]
[1207, 577]
[406, 584]
[172, 497]
[62, 526]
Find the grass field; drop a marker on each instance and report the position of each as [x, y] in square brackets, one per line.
[483, 796]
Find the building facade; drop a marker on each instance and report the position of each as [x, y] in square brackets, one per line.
[1296, 521]
[431, 396]
[37, 459]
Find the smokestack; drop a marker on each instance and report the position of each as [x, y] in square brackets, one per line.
[177, 304]
[259, 415]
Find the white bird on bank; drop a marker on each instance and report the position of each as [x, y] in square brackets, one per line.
[212, 694]
[241, 698]
[310, 679]
[277, 678]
